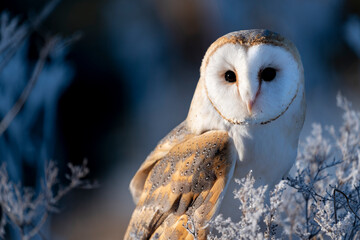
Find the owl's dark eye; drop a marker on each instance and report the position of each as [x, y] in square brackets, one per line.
[230, 76]
[268, 74]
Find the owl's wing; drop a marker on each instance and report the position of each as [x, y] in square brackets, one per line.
[176, 136]
[183, 188]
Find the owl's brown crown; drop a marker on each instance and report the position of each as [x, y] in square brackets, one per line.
[255, 36]
[248, 38]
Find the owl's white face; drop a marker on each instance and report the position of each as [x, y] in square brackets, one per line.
[251, 85]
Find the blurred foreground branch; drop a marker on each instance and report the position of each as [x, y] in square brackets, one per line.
[5, 122]
[13, 35]
[29, 211]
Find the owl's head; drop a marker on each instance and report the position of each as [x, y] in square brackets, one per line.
[251, 76]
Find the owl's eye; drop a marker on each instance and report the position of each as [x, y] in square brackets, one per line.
[230, 76]
[268, 74]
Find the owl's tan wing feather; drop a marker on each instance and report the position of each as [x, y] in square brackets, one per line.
[176, 136]
[182, 189]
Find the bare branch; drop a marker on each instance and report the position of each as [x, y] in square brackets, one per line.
[13, 44]
[38, 227]
[5, 122]
[348, 204]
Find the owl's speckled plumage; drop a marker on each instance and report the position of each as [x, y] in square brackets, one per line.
[231, 128]
[187, 181]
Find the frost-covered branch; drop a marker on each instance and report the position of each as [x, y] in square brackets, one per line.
[29, 210]
[253, 211]
[326, 166]
[321, 200]
[12, 37]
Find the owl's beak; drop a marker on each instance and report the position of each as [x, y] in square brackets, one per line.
[249, 105]
[249, 91]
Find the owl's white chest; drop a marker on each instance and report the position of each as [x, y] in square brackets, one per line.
[269, 151]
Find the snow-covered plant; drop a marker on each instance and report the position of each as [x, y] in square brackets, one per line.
[253, 211]
[328, 179]
[322, 198]
[23, 209]
[28, 210]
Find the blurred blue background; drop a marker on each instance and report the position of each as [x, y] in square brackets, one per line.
[130, 79]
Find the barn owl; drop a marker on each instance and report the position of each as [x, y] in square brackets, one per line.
[246, 114]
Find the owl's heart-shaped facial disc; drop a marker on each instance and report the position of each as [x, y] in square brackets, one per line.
[251, 82]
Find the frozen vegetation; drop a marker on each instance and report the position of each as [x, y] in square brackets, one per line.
[25, 210]
[322, 199]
